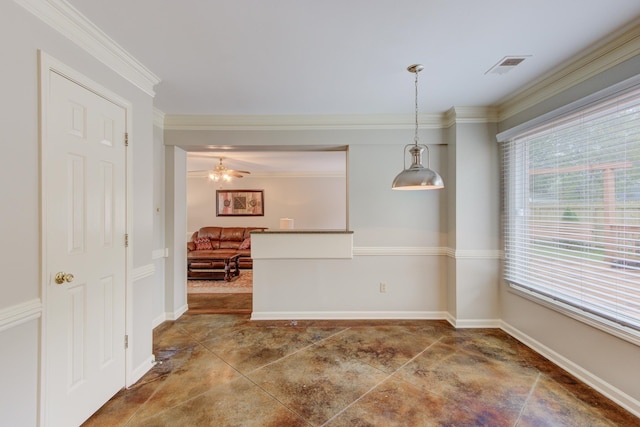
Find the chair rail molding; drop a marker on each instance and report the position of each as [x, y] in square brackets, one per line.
[144, 271]
[427, 251]
[18, 314]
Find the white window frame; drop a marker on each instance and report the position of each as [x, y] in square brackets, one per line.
[513, 177]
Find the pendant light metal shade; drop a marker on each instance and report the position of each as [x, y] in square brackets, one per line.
[417, 177]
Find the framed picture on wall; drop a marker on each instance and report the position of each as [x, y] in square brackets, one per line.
[239, 202]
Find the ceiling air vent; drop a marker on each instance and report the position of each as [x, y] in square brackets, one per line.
[507, 64]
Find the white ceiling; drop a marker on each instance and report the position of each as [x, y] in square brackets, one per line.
[348, 56]
[259, 57]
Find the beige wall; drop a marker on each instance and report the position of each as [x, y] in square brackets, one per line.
[313, 202]
[21, 36]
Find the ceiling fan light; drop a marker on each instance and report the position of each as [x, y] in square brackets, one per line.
[221, 173]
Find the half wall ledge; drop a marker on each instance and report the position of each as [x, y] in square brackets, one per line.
[302, 244]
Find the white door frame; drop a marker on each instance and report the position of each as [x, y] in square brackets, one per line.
[47, 64]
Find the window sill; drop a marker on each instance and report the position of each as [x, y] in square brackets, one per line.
[612, 328]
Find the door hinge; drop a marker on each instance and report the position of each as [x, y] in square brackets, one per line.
[126, 240]
[126, 139]
[126, 342]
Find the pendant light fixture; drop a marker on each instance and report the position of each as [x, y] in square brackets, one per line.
[417, 177]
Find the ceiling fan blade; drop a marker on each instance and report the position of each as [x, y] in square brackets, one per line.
[244, 172]
[234, 173]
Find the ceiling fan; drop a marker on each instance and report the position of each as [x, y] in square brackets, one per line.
[221, 173]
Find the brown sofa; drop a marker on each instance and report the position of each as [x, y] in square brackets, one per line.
[212, 242]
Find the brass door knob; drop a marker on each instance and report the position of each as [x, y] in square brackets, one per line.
[62, 277]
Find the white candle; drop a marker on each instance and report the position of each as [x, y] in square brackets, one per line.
[286, 223]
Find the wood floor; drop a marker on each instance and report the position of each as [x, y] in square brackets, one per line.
[220, 303]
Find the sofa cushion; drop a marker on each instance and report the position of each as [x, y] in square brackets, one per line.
[203, 243]
[213, 233]
[235, 234]
[246, 243]
[231, 237]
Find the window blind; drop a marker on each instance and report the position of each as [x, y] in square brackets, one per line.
[572, 210]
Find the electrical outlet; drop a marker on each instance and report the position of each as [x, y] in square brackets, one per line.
[383, 287]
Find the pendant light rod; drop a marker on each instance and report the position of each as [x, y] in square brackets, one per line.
[416, 68]
[417, 177]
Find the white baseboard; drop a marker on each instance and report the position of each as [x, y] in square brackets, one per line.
[139, 372]
[473, 323]
[629, 403]
[158, 320]
[176, 314]
[347, 315]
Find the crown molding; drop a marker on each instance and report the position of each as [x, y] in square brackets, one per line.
[466, 115]
[263, 175]
[331, 122]
[301, 122]
[69, 22]
[621, 46]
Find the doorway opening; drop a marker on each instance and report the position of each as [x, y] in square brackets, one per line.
[301, 188]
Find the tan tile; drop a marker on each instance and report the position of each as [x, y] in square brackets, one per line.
[397, 403]
[250, 348]
[466, 377]
[492, 343]
[199, 372]
[170, 336]
[236, 403]
[492, 390]
[317, 383]
[552, 405]
[384, 347]
[118, 410]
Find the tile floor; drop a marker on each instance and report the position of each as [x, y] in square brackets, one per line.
[225, 370]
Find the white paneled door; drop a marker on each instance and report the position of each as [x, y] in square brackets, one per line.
[84, 183]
